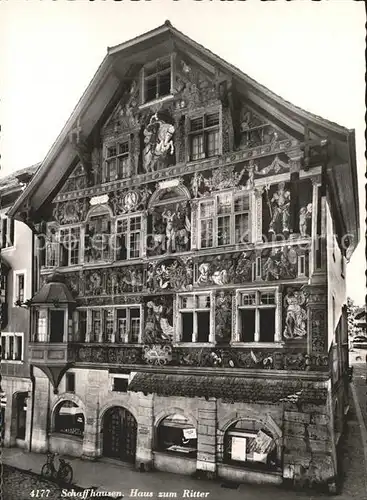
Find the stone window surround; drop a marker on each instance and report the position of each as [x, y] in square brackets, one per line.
[278, 318]
[17, 273]
[178, 332]
[114, 308]
[235, 193]
[115, 141]
[7, 336]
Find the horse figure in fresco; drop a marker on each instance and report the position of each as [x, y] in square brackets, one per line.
[158, 142]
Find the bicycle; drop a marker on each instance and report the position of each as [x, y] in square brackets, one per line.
[64, 474]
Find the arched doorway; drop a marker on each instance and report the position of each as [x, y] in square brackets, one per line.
[119, 434]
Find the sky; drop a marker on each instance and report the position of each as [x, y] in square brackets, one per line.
[310, 53]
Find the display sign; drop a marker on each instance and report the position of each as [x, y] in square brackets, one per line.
[190, 433]
[238, 451]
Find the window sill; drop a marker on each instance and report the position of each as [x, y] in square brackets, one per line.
[201, 161]
[5, 249]
[13, 361]
[175, 454]
[194, 344]
[165, 98]
[260, 345]
[66, 436]
[252, 466]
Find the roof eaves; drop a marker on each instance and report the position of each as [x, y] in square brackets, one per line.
[140, 38]
[258, 86]
[86, 96]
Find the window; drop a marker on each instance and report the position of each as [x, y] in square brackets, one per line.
[69, 419]
[69, 246]
[120, 383]
[128, 325]
[204, 137]
[157, 79]
[96, 326]
[19, 287]
[194, 312]
[57, 325]
[12, 346]
[82, 326]
[257, 316]
[7, 232]
[175, 434]
[246, 446]
[41, 326]
[128, 238]
[224, 220]
[117, 161]
[97, 240]
[70, 382]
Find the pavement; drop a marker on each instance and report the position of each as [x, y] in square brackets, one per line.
[106, 477]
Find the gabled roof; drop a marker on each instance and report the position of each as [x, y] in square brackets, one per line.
[108, 81]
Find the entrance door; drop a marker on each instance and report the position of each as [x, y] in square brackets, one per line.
[119, 434]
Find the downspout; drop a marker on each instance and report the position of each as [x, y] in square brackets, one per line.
[31, 373]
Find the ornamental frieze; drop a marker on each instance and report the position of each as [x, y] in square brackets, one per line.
[113, 281]
[71, 212]
[159, 354]
[261, 152]
[170, 274]
[224, 269]
[124, 202]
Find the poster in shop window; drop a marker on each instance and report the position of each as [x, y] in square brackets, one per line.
[238, 451]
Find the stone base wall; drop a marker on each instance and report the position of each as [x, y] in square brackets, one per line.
[304, 448]
[12, 386]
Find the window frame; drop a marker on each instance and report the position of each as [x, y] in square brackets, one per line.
[114, 339]
[7, 236]
[215, 216]
[117, 142]
[157, 74]
[16, 274]
[203, 132]
[277, 306]
[185, 424]
[194, 311]
[5, 355]
[69, 228]
[128, 232]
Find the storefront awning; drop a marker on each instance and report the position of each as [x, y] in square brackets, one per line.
[227, 388]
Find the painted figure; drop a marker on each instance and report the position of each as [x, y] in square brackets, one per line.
[280, 205]
[158, 142]
[295, 321]
[305, 214]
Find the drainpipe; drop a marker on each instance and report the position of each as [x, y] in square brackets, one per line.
[31, 369]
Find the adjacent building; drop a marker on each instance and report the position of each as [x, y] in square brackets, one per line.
[16, 291]
[192, 232]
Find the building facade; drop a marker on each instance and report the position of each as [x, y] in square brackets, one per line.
[16, 291]
[192, 234]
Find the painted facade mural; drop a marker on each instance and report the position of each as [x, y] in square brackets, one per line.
[144, 209]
